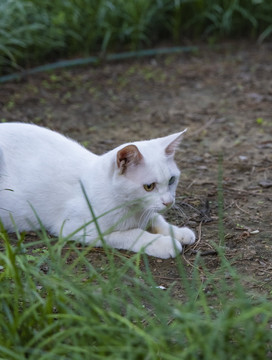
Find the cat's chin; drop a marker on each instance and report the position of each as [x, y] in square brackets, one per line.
[163, 211]
[155, 209]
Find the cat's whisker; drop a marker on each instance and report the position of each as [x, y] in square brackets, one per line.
[152, 222]
[180, 211]
[143, 221]
[142, 218]
[191, 207]
[145, 218]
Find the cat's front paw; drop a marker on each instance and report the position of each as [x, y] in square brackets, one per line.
[184, 235]
[164, 247]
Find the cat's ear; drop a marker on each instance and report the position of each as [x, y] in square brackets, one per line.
[128, 156]
[173, 142]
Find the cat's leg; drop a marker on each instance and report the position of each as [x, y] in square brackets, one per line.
[137, 239]
[160, 226]
[134, 240]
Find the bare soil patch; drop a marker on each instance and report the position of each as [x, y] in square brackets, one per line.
[223, 96]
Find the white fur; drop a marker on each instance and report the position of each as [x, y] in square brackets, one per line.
[43, 170]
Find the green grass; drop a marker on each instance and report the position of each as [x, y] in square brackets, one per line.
[54, 304]
[34, 31]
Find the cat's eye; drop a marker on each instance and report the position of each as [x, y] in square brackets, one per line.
[149, 187]
[171, 180]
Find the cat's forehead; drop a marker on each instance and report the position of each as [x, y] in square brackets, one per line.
[154, 152]
[161, 167]
[153, 147]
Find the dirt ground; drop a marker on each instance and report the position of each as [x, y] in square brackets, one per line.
[223, 97]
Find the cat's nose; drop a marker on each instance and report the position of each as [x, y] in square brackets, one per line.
[168, 203]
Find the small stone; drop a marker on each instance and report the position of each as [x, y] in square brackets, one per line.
[254, 232]
[265, 183]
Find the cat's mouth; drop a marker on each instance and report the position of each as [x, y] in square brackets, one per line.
[163, 209]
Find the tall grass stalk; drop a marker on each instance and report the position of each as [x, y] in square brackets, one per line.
[220, 202]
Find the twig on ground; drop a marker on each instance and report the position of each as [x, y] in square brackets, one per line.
[205, 126]
[199, 236]
[246, 192]
[244, 211]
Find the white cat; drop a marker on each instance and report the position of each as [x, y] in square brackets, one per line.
[127, 188]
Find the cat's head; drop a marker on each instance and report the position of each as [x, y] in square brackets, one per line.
[145, 172]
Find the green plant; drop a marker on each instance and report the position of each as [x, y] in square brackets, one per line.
[24, 33]
[55, 304]
[33, 31]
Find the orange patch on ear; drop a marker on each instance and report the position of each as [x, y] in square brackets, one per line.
[128, 156]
